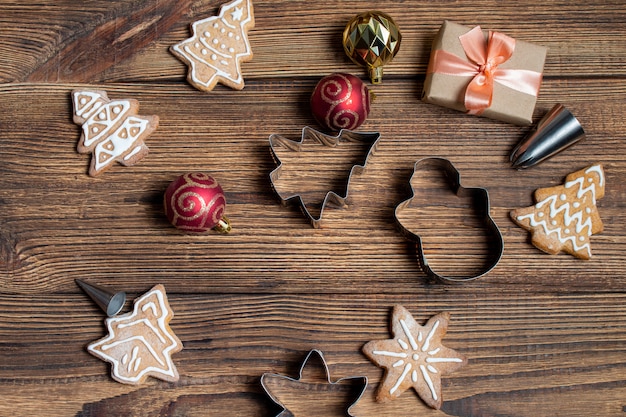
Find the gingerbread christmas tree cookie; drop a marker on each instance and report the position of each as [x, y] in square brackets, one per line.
[565, 216]
[218, 47]
[414, 357]
[112, 130]
[141, 343]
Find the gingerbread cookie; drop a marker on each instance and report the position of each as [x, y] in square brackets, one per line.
[218, 47]
[141, 343]
[414, 357]
[112, 130]
[565, 216]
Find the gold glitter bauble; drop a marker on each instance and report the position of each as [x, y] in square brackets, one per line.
[372, 39]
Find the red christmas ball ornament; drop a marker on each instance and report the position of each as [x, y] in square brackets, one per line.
[195, 202]
[340, 101]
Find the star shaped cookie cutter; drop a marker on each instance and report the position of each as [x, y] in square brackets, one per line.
[480, 199]
[312, 388]
[276, 141]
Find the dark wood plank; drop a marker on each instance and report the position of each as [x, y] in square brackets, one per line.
[530, 350]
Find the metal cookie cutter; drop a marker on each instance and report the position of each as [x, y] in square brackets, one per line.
[480, 199]
[308, 133]
[300, 387]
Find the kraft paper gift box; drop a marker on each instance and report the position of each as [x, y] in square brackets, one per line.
[463, 68]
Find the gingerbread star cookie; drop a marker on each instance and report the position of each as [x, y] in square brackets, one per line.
[112, 130]
[565, 216]
[141, 343]
[218, 47]
[415, 357]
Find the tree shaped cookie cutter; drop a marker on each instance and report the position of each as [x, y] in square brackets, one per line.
[331, 197]
[361, 381]
[480, 199]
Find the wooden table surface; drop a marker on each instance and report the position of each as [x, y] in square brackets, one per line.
[545, 335]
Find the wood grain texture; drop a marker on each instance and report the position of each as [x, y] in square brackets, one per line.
[545, 335]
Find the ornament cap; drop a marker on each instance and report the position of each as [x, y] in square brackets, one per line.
[376, 74]
[223, 226]
[110, 301]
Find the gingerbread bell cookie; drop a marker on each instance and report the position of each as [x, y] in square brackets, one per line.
[565, 216]
[141, 343]
[112, 130]
[218, 47]
[414, 357]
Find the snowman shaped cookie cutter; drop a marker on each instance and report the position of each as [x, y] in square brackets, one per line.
[481, 206]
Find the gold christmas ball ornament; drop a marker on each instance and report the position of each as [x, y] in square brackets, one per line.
[371, 40]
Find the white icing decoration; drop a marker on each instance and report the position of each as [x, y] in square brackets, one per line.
[429, 382]
[109, 121]
[132, 153]
[430, 335]
[437, 360]
[406, 370]
[403, 344]
[236, 15]
[408, 334]
[147, 323]
[598, 170]
[398, 363]
[392, 354]
[133, 359]
[87, 104]
[120, 144]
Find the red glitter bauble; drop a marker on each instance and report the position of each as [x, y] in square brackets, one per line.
[340, 101]
[195, 202]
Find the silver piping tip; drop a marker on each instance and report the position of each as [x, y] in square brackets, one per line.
[110, 301]
[555, 132]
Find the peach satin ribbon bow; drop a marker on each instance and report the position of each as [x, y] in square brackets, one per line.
[484, 59]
